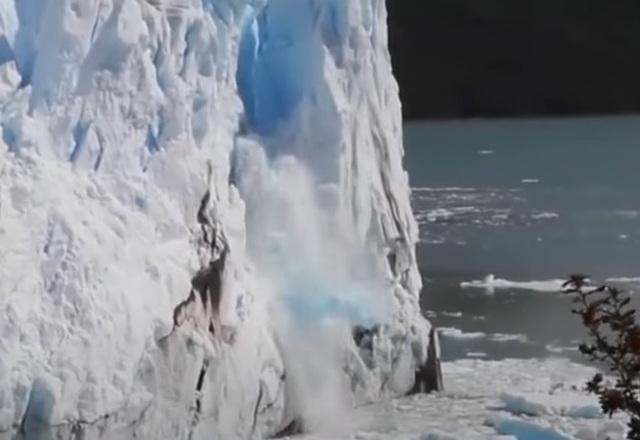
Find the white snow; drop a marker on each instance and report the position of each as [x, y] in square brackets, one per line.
[491, 283]
[117, 117]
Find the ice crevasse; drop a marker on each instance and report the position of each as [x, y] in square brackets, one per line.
[199, 199]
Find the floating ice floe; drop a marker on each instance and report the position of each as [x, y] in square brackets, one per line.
[507, 337]
[527, 430]
[491, 283]
[577, 405]
[456, 333]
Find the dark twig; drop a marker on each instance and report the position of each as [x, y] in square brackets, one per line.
[607, 314]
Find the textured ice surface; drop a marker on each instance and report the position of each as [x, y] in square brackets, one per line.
[144, 139]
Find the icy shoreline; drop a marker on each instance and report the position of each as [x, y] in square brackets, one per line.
[514, 399]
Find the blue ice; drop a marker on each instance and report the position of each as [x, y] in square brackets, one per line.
[309, 307]
[524, 430]
[79, 137]
[29, 14]
[281, 57]
[312, 300]
[6, 53]
[35, 424]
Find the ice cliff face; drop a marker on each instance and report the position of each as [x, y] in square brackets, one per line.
[198, 200]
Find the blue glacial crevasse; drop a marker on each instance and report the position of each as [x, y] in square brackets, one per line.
[281, 57]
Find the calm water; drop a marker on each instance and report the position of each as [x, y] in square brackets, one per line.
[523, 200]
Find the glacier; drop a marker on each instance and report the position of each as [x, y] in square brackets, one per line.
[199, 199]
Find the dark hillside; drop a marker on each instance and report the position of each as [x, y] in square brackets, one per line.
[461, 58]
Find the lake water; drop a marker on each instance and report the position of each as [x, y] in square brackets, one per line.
[522, 200]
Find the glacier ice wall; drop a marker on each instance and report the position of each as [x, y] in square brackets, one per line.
[198, 199]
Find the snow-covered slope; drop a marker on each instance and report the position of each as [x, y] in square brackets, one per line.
[198, 199]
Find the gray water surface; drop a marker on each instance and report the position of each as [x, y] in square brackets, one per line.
[523, 200]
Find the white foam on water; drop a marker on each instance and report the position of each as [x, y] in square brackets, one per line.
[545, 215]
[476, 354]
[444, 214]
[444, 189]
[623, 280]
[507, 337]
[435, 241]
[555, 348]
[626, 213]
[436, 214]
